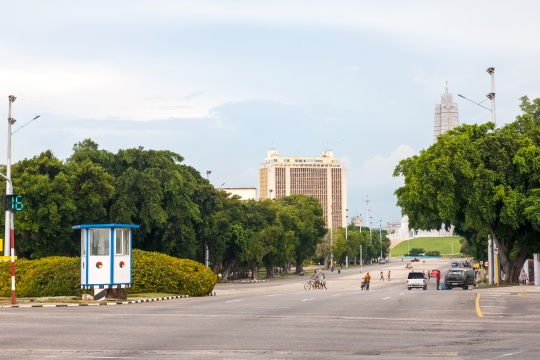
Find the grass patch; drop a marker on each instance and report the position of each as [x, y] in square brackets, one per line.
[442, 244]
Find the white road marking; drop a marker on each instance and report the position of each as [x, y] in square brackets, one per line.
[387, 298]
[337, 295]
[510, 354]
[274, 295]
[401, 293]
[308, 299]
[233, 300]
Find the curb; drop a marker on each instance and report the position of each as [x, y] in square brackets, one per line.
[109, 303]
[250, 281]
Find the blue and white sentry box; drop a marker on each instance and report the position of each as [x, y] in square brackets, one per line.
[105, 255]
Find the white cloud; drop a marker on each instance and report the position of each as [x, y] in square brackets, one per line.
[376, 172]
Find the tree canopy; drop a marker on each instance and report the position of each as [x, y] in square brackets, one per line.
[179, 211]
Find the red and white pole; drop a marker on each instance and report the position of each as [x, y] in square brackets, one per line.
[12, 239]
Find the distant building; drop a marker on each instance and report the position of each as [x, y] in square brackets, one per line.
[446, 115]
[322, 177]
[391, 227]
[357, 220]
[244, 193]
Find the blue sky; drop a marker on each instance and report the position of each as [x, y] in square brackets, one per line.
[221, 82]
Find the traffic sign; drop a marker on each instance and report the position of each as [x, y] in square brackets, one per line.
[496, 251]
[486, 264]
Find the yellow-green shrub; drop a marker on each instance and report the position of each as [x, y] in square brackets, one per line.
[152, 272]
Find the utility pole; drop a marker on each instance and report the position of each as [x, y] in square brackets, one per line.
[380, 235]
[346, 238]
[361, 261]
[491, 95]
[367, 218]
[490, 261]
[9, 187]
[206, 252]
[331, 236]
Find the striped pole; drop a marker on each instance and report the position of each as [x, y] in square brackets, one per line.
[12, 236]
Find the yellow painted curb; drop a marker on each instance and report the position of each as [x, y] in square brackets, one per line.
[478, 311]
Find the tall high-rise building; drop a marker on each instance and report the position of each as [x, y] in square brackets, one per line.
[446, 115]
[322, 177]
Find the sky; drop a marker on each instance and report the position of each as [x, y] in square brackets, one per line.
[221, 82]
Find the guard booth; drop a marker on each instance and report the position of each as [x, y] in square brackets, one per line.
[105, 257]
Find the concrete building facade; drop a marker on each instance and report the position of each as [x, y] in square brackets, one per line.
[446, 115]
[322, 177]
[357, 220]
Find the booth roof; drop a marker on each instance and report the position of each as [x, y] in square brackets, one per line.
[97, 226]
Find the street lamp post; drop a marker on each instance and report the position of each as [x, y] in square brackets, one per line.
[270, 191]
[206, 252]
[208, 172]
[380, 234]
[331, 236]
[490, 96]
[346, 238]
[9, 186]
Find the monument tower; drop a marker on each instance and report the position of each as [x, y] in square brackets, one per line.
[446, 115]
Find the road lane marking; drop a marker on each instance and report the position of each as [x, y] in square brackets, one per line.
[387, 298]
[233, 300]
[337, 295]
[308, 299]
[274, 295]
[478, 310]
[510, 354]
[493, 306]
[401, 293]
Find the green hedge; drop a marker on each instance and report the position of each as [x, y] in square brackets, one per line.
[152, 272]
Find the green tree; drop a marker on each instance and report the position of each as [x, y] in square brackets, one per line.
[309, 228]
[482, 180]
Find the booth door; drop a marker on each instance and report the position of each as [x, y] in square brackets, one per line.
[122, 256]
[99, 259]
[84, 261]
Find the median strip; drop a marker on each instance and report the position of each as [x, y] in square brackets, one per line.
[478, 310]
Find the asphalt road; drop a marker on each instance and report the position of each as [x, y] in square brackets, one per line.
[279, 320]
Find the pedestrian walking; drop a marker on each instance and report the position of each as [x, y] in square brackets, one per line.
[388, 275]
[523, 277]
[382, 276]
[367, 279]
[438, 277]
[429, 275]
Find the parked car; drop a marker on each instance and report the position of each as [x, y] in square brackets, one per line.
[415, 260]
[476, 266]
[466, 264]
[382, 261]
[455, 264]
[459, 278]
[416, 280]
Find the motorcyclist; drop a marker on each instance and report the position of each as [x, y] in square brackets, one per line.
[367, 278]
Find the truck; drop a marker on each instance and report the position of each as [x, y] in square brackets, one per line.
[459, 278]
[416, 279]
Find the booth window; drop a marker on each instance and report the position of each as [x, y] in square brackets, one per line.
[99, 241]
[121, 238]
[83, 242]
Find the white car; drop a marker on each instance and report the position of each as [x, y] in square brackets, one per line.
[416, 280]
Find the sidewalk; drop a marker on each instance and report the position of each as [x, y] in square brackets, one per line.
[510, 289]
